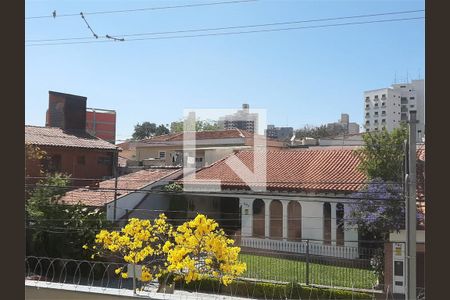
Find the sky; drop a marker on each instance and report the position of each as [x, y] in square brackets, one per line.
[302, 76]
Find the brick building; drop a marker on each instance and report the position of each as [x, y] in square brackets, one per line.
[75, 153]
[101, 123]
[68, 146]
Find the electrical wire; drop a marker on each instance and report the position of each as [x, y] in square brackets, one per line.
[54, 15]
[235, 32]
[240, 26]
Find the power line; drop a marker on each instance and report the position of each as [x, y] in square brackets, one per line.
[54, 15]
[239, 26]
[85, 21]
[236, 32]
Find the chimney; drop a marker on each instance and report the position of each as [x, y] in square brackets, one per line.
[66, 111]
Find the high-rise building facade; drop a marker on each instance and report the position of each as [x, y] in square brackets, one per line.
[242, 119]
[388, 107]
[343, 126]
[279, 133]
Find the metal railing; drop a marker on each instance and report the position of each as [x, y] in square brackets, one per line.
[309, 262]
[283, 275]
[302, 247]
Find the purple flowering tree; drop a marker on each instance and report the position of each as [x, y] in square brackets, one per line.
[377, 210]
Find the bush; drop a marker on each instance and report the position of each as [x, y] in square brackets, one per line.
[264, 290]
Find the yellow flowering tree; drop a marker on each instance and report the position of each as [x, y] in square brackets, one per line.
[140, 242]
[195, 250]
[202, 250]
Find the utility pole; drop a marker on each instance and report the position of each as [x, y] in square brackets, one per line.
[115, 158]
[411, 213]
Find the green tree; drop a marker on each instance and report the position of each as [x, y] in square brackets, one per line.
[316, 132]
[55, 229]
[200, 125]
[144, 130]
[162, 129]
[383, 154]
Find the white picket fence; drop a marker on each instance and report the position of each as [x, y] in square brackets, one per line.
[315, 248]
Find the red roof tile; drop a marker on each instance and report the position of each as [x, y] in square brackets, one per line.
[53, 136]
[202, 135]
[104, 194]
[325, 170]
[318, 170]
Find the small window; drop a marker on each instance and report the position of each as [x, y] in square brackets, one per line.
[376, 128]
[162, 154]
[402, 86]
[81, 160]
[376, 104]
[198, 159]
[376, 113]
[411, 98]
[376, 122]
[412, 105]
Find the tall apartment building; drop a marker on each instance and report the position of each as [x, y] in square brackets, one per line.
[388, 107]
[242, 119]
[280, 133]
[343, 126]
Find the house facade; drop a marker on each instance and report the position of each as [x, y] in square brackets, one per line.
[307, 192]
[210, 146]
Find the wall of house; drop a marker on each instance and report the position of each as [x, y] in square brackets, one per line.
[153, 152]
[214, 155]
[71, 163]
[312, 221]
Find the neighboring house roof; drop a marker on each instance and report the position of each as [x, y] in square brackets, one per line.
[314, 170]
[291, 170]
[125, 185]
[201, 135]
[53, 136]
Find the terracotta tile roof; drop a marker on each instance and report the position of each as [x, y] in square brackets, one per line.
[103, 195]
[202, 135]
[320, 170]
[291, 170]
[53, 136]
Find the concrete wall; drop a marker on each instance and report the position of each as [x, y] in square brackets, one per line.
[34, 293]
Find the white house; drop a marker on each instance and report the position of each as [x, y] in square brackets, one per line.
[306, 194]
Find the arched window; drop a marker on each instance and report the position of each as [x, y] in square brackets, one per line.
[258, 218]
[294, 220]
[276, 219]
[340, 224]
[327, 223]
